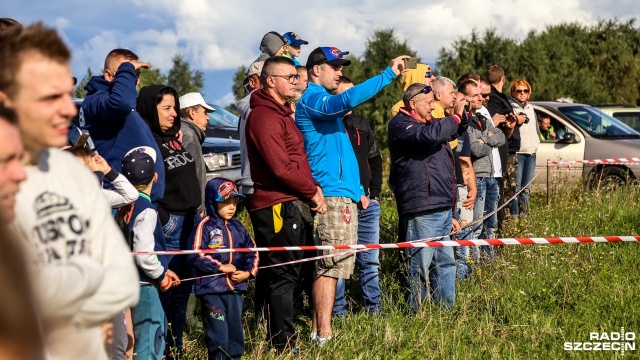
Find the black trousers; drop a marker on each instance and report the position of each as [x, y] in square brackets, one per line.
[279, 225]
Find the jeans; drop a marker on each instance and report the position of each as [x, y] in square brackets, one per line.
[524, 175]
[463, 266]
[368, 263]
[177, 235]
[148, 324]
[430, 271]
[486, 202]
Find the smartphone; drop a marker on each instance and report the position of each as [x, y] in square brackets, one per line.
[411, 63]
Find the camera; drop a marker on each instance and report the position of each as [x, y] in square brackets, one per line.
[526, 121]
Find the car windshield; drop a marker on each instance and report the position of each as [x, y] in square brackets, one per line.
[222, 118]
[598, 124]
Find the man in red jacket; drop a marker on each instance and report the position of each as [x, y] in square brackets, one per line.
[284, 193]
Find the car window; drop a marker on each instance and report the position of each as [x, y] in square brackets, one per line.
[222, 118]
[597, 123]
[557, 128]
[630, 118]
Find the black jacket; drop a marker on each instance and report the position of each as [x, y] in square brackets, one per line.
[422, 174]
[367, 153]
[182, 187]
[499, 104]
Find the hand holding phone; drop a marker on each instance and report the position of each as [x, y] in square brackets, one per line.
[411, 63]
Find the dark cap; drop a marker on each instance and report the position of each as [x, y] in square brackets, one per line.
[138, 165]
[329, 55]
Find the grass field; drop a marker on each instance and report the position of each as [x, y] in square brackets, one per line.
[524, 305]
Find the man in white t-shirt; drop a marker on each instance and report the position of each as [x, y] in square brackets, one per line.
[83, 273]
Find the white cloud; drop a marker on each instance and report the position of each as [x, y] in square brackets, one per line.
[225, 100]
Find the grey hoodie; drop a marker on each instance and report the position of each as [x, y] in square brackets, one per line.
[192, 139]
[481, 153]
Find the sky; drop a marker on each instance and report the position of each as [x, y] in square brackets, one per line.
[217, 37]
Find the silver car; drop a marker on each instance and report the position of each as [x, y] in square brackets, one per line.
[586, 133]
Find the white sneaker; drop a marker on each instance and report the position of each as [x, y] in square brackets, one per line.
[320, 341]
[313, 336]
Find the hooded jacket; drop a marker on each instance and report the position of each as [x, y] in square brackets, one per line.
[482, 152]
[182, 188]
[213, 232]
[192, 138]
[367, 153]
[109, 114]
[319, 118]
[422, 174]
[407, 78]
[279, 166]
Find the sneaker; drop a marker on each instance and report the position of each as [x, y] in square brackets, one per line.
[313, 336]
[320, 341]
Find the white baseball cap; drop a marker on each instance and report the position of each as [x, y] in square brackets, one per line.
[192, 99]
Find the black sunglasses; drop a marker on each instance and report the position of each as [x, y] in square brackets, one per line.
[486, 95]
[428, 74]
[425, 90]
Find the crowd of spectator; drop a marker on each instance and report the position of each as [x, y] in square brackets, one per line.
[311, 174]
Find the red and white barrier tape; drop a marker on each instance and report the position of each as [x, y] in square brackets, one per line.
[626, 161]
[406, 245]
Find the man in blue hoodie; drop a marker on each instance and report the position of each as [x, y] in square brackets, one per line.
[109, 113]
[334, 166]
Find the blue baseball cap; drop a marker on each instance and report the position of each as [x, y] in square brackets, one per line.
[294, 39]
[328, 55]
[138, 165]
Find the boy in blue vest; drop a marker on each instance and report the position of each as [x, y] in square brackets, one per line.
[223, 275]
[143, 230]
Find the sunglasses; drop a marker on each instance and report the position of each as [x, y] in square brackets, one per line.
[522, 91]
[428, 74]
[486, 95]
[425, 90]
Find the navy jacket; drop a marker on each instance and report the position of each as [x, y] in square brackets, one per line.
[109, 114]
[422, 174]
[213, 232]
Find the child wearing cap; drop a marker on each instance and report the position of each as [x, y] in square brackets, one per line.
[143, 231]
[292, 45]
[223, 275]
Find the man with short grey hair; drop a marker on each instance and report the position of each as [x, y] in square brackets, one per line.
[194, 118]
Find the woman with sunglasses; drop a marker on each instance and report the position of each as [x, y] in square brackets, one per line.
[530, 140]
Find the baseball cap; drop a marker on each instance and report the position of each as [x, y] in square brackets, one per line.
[329, 55]
[294, 39]
[138, 165]
[271, 43]
[256, 67]
[227, 189]
[192, 99]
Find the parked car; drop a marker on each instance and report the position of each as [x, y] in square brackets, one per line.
[588, 134]
[220, 149]
[222, 124]
[628, 114]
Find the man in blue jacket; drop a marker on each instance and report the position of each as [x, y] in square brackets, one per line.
[334, 166]
[423, 180]
[109, 113]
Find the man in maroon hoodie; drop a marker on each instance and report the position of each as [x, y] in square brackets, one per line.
[284, 194]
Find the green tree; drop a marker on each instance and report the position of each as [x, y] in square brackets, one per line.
[79, 92]
[182, 78]
[152, 76]
[592, 64]
[237, 88]
[382, 47]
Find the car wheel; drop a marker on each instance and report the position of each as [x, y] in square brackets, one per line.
[610, 177]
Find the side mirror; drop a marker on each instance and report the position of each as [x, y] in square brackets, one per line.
[569, 138]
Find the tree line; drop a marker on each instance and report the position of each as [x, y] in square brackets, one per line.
[592, 64]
